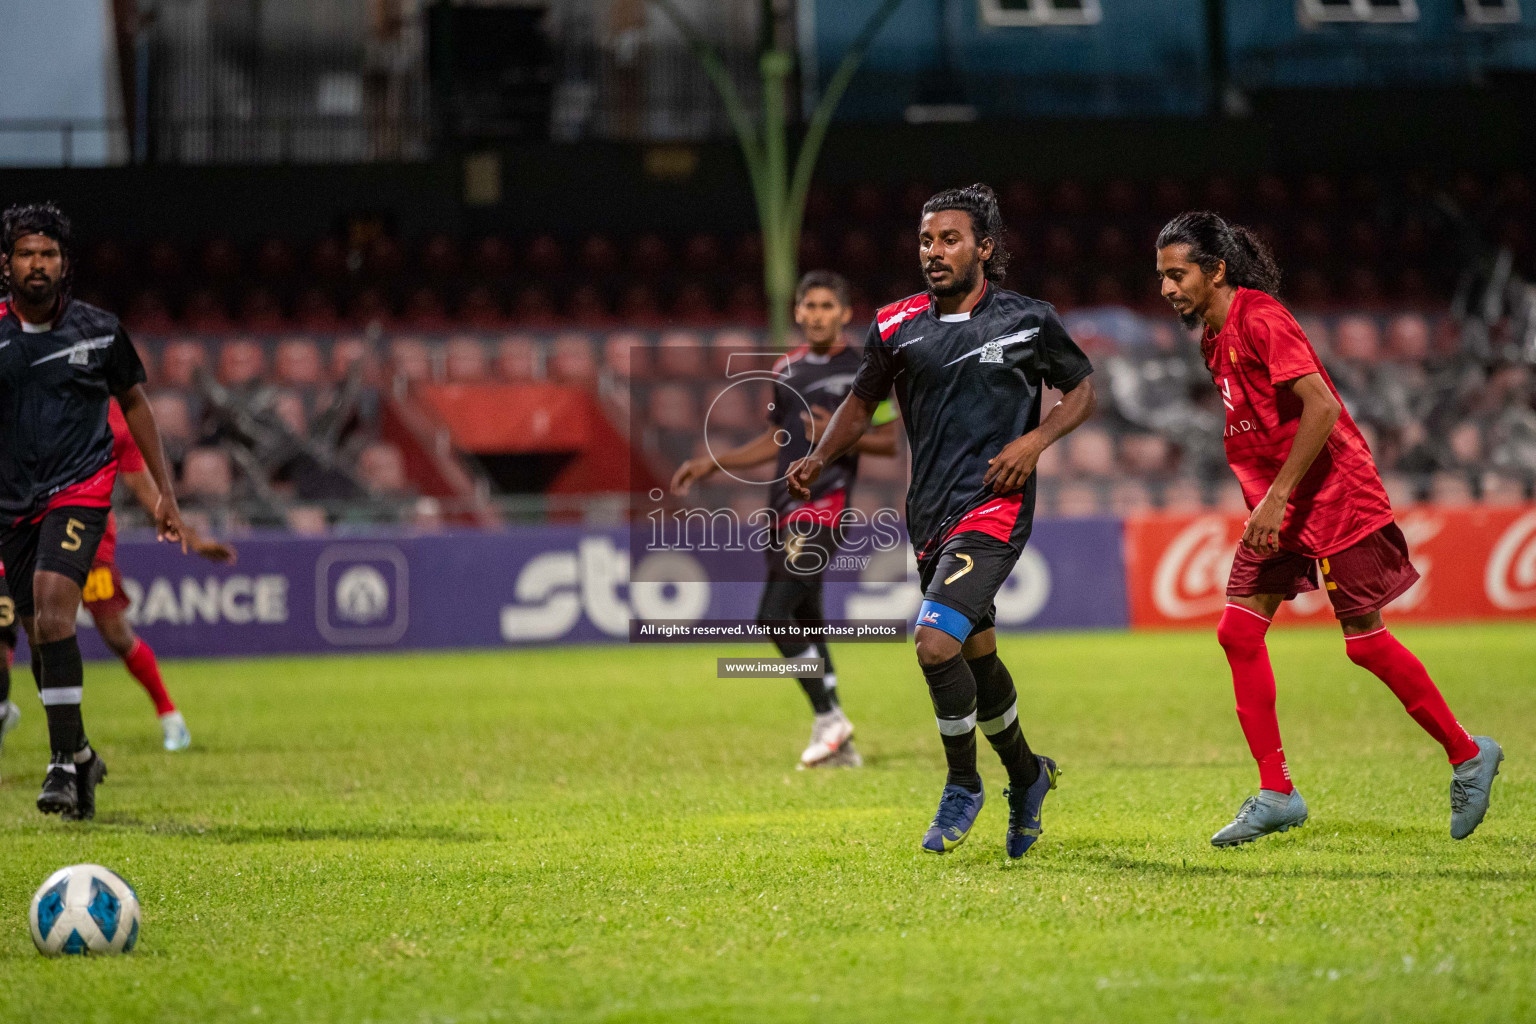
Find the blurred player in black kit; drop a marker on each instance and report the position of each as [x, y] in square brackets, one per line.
[61, 364]
[809, 383]
[969, 361]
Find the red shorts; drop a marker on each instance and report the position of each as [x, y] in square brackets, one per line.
[1365, 577]
[103, 593]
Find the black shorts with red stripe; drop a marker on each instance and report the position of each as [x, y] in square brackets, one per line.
[960, 583]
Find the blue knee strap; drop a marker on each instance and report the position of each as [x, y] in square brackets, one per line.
[944, 618]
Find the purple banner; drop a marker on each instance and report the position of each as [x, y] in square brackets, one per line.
[519, 587]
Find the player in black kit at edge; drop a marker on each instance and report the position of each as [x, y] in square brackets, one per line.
[969, 361]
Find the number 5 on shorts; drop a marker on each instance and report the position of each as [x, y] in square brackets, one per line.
[72, 534]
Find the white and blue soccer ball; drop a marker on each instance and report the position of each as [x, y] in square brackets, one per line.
[85, 910]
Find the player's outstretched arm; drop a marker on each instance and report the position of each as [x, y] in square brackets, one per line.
[756, 452]
[848, 424]
[141, 424]
[1008, 470]
[1319, 412]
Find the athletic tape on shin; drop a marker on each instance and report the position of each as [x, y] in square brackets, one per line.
[945, 619]
[993, 726]
[52, 695]
[956, 726]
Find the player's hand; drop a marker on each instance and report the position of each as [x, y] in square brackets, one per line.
[1262, 534]
[206, 547]
[701, 468]
[815, 423]
[1009, 468]
[802, 474]
[168, 525]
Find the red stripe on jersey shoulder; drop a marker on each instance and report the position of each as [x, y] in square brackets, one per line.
[888, 318]
[785, 360]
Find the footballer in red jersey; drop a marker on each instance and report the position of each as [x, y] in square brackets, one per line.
[1317, 511]
[105, 599]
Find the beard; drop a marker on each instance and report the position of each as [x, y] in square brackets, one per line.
[961, 285]
[1191, 320]
[36, 291]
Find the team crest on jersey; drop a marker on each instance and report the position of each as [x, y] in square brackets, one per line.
[991, 352]
[79, 357]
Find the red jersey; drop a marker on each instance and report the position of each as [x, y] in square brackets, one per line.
[129, 460]
[1340, 499]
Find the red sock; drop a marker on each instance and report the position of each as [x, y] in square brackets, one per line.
[1379, 652]
[1241, 634]
[140, 660]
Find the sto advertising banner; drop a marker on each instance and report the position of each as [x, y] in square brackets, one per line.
[543, 585]
[1476, 564]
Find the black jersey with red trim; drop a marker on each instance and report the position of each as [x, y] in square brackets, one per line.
[55, 387]
[804, 379]
[967, 386]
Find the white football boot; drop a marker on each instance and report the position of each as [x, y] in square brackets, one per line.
[829, 732]
[174, 730]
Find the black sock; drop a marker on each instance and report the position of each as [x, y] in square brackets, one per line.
[953, 691]
[5, 678]
[37, 667]
[997, 712]
[63, 677]
[821, 696]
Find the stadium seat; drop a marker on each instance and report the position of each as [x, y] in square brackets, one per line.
[1500, 490]
[352, 351]
[1052, 462]
[206, 475]
[316, 312]
[480, 310]
[1112, 247]
[491, 258]
[410, 360]
[639, 307]
[260, 312]
[1122, 198]
[1060, 249]
[180, 360]
[533, 307]
[1107, 290]
[173, 418]
[867, 203]
[1069, 200]
[163, 261]
[1363, 287]
[424, 312]
[148, 314]
[1091, 452]
[746, 305]
[599, 255]
[1146, 454]
[381, 471]
[465, 361]
[1170, 196]
[571, 359]
[220, 261]
[370, 308]
[680, 354]
[1222, 195]
[649, 257]
[858, 254]
[290, 409]
[544, 256]
[671, 406]
[1451, 490]
[275, 262]
[733, 409]
[1182, 495]
[1356, 338]
[587, 308]
[306, 520]
[1130, 498]
[1020, 202]
[242, 362]
[725, 343]
[519, 358]
[702, 254]
[627, 355]
[297, 363]
[693, 304]
[439, 258]
[1075, 499]
[328, 261]
[813, 253]
[1272, 197]
[205, 313]
[747, 254]
[383, 261]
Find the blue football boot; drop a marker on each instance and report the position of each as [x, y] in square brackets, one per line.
[1024, 809]
[958, 808]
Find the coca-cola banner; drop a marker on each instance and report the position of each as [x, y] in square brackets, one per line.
[1476, 564]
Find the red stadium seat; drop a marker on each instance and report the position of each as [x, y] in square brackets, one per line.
[672, 407]
[572, 360]
[544, 256]
[680, 354]
[410, 360]
[910, 202]
[812, 252]
[297, 363]
[439, 258]
[1069, 199]
[820, 204]
[491, 258]
[349, 352]
[1170, 196]
[649, 257]
[242, 361]
[639, 307]
[328, 261]
[465, 361]
[172, 417]
[106, 261]
[371, 308]
[424, 312]
[1363, 287]
[260, 312]
[734, 409]
[1271, 196]
[858, 254]
[599, 255]
[1222, 196]
[1129, 498]
[1076, 499]
[1319, 193]
[1020, 201]
[180, 360]
[746, 304]
[205, 313]
[316, 312]
[163, 261]
[480, 309]
[1112, 248]
[275, 261]
[726, 343]
[587, 307]
[533, 307]
[220, 261]
[1309, 288]
[383, 260]
[1091, 452]
[1356, 339]
[1061, 249]
[693, 304]
[207, 474]
[147, 314]
[1059, 291]
[747, 254]
[867, 203]
[519, 357]
[627, 355]
[1146, 454]
[702, 254]
[1108, 290]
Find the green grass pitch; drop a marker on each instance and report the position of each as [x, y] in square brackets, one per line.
[610, 833]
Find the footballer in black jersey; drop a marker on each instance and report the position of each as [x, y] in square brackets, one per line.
[61, 364]
[969, 362]
[809, 383]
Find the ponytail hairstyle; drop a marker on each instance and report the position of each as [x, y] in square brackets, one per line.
[1212, 240]
[980, 203]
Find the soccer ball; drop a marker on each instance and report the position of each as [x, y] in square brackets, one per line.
[84, 909]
